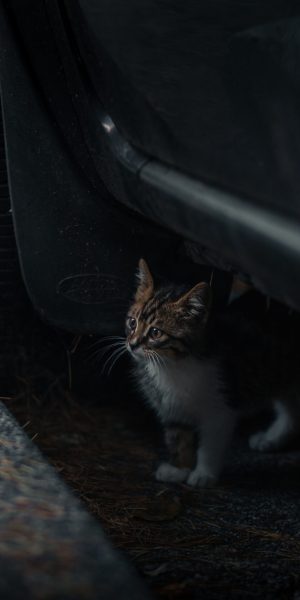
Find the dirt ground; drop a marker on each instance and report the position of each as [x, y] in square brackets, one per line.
[238, 540]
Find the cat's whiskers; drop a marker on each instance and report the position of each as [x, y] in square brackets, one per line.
[150, 358]
[154, 359]
[113, 353]
[116, 353]
[99, 352]
[96, 357]
[105, 339]
[148, 355]
[120, 354]
[160, 360]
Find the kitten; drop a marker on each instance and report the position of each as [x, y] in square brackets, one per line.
[181, 362]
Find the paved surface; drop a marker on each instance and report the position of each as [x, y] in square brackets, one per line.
[50, 548]
[239, 540]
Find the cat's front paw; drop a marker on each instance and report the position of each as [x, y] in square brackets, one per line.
[170, 474]
[259, 441]
[201, 478]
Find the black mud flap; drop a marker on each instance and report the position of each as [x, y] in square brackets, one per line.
[77, 246]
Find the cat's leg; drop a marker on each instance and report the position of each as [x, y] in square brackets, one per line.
[180, 442]
[279, 431]
[216, 434]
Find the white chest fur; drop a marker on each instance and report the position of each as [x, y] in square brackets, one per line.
[189, 391]
[186, 390]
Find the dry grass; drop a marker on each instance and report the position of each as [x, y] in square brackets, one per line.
[187, 544]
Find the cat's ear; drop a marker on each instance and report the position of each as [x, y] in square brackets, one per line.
[196, 301]
[145, 282]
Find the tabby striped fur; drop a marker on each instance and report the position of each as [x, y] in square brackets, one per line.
[184, 383]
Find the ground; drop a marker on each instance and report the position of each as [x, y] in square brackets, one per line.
[240, 539]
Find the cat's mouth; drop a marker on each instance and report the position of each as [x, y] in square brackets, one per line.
[137, 352]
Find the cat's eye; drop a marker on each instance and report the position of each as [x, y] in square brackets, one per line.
[155, 333]
[131, 322]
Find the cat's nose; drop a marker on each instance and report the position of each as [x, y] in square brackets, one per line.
[133, 344]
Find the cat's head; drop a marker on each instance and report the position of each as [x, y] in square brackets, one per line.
[166, 321]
